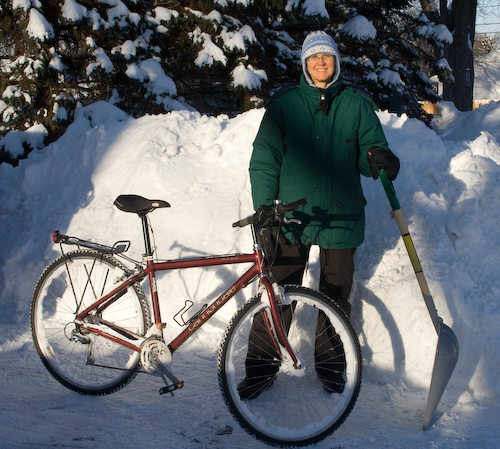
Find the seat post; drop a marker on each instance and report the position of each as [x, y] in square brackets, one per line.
[145, 232]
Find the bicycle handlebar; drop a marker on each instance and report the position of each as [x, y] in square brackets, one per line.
[275, 212]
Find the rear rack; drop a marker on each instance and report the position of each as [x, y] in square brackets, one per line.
[120, 246]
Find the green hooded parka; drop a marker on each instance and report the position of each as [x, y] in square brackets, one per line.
[312, 144]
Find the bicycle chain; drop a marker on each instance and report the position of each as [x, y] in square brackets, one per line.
[153, 351]
[123, 331]
[120, 330]
[139, 371]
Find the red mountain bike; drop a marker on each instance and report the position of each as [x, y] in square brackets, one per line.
[93, 330]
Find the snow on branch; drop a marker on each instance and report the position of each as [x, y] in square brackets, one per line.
[38, 26]
[360, 28]
[73, 11]
[102, 60]
[210, 53]
[13, 142]
[248, 77]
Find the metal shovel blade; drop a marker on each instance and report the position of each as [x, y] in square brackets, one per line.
[444, 363]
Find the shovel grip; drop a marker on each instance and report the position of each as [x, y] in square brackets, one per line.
[388, 187]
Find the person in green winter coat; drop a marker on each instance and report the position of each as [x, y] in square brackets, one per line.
[314, 142]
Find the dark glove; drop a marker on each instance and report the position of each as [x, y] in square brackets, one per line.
[382, 156]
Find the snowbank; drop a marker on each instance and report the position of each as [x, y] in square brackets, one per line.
[449, 190]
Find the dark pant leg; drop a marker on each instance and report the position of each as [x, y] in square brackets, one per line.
[337, 272]
[336, 278]
[329, 356]
[291, 261]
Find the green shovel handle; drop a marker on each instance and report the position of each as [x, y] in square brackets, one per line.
[410, 247]
[389, 188]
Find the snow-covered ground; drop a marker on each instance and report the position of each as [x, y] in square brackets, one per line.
[449, 190]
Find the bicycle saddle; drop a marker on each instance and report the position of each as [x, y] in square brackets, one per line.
[137, 204]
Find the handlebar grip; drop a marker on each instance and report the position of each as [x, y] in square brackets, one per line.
[290, 207]
[252, 219]
[245, 221]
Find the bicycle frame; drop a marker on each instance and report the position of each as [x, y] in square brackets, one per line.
[95, 327]
[89, 318]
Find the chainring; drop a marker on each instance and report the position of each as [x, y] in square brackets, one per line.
[155, 356]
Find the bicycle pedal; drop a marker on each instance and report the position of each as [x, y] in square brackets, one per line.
[171, 388]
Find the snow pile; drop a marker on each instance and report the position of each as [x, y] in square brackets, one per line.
[449, 190]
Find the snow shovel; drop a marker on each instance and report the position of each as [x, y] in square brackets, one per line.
[447, 345]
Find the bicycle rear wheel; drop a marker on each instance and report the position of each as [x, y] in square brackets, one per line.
[80, 360]
[296, 407]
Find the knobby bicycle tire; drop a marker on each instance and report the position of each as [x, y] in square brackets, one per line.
[292, 407]
[80, 360]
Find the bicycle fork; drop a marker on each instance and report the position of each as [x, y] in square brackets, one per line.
[275, 295]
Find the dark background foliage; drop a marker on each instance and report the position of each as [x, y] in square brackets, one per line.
[34, 90]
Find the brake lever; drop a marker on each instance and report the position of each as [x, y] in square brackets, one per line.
[291, 220]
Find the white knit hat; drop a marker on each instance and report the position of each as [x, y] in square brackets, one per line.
[319, 42]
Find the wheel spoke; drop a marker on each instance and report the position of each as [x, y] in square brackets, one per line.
[71, 283]
[292, 407]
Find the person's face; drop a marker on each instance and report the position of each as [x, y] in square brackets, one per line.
[321, 68]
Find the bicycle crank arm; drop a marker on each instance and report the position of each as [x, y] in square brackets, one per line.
[171, 388]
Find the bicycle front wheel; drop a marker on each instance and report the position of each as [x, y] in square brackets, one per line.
[271, 399]
[80, 360]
